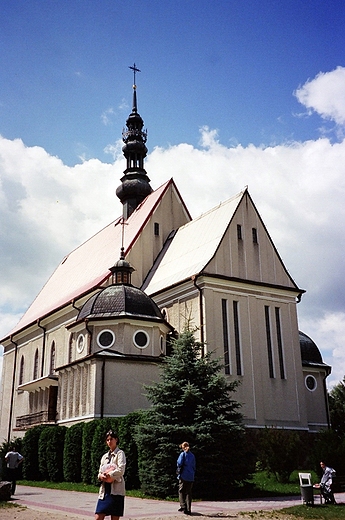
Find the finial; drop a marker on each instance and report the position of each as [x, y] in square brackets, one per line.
[135, 69]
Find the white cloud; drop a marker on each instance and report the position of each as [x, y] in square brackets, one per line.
[329, 334]
[106, 116]
[325, 94]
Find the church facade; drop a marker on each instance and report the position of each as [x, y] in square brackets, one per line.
[99, 328]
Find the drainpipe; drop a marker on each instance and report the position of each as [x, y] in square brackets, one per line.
[90, 336]
[201, 313]
[102, 388]
[43, 346]
[326, 400]
[73, 305]
[12, 389]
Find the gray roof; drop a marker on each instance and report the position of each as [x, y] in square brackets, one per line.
[120, 300]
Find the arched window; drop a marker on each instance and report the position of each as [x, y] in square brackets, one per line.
[52, 358]
[21, 371]
[36, 365]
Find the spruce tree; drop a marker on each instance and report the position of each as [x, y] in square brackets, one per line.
[192, 402]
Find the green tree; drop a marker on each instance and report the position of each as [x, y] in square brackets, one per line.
[279, 451]
[337, 407]
[192, 402]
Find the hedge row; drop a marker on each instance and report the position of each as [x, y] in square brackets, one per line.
[57, 453]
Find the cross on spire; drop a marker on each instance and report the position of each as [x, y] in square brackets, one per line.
[135, 70]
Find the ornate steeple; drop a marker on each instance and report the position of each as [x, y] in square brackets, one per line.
[135, 183]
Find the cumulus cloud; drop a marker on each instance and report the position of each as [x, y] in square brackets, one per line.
[48, 208]
[325, 94]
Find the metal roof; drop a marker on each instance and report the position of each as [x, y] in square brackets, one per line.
[88, 265]
[192, 247]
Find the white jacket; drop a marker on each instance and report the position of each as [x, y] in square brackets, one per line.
[118, 458]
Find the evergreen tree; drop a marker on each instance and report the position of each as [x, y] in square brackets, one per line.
[337, 407]
[192, 402]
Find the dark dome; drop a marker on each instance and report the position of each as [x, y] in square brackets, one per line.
[120, 300]
[309, 350]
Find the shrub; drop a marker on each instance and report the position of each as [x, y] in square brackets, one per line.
[72, 453]
[127, 427]
[279, 452]
[87, 470]
[31, 469]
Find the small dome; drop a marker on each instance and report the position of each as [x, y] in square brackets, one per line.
[120, 300]
[309, 350]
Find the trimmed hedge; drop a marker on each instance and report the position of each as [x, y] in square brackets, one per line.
[31, 470]
[72, 453]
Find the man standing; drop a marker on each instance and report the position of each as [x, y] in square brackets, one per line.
[13, 459]
[185, 474]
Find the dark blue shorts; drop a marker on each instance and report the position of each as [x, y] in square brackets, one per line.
[111, 505]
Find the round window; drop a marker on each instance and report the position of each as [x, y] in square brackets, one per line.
[310, 383]
[80, 343]
[106, 339]
[141, 339]
[162, 344]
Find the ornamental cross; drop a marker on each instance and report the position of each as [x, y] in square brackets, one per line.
[135, 70]
[123, 223]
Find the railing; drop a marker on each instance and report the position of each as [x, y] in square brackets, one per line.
[31, 419]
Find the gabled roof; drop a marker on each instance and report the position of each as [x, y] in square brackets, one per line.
[87, 266]
[192, 247]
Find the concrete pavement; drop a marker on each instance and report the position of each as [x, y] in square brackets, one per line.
[82, 505]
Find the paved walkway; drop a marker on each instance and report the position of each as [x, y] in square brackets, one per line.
[82, 505]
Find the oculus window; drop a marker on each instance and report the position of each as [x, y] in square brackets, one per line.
[141, 339]
[106, 338]
[310, 383]
[80, 343]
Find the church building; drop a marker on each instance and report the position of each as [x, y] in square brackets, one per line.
[99, 328]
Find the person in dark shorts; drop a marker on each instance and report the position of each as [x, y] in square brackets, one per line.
[111, 498]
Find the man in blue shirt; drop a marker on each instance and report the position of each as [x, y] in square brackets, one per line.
[185, 474]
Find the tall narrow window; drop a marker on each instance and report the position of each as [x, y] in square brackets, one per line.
[237, 339]
[52, 358]
[255, 235]
[226, 336]
[239, 231]
[269, 341]
[156, 229]
[21, 371]
[36, 365]
[280, 344]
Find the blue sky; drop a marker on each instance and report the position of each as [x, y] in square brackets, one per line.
[230, 65]
[232, 94]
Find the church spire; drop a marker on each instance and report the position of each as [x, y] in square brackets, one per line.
[135, 183]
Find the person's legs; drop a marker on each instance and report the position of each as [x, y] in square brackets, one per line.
[12, 477]
[188, 496]
[115, 517]
[182, 495]
[99, 516]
